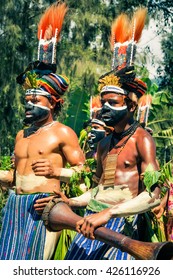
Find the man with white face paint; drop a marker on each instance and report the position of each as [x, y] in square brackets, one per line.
[41, 153]
[42, 149]
[122, 157]
[98, 131]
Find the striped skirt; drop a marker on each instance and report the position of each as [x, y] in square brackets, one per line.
[83, 248]
[22, 235]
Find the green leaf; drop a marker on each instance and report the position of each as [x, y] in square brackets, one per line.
[151, 177]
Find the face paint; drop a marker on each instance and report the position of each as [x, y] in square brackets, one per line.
[113, 115]
[95, 136]
[34, 113]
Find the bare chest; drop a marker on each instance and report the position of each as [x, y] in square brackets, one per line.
[42, 144]
[124, 157]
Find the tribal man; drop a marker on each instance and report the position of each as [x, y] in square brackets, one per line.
[41, 150]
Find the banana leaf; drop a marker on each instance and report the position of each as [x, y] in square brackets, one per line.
[76, 112]
[64, 242]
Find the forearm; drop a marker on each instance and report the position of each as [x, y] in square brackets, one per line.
[80, 201]
[140, 204]
[64, 174]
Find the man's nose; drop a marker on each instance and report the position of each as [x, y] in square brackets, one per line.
[28, 106]
[105, 108]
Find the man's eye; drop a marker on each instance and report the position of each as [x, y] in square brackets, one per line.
[112, 102]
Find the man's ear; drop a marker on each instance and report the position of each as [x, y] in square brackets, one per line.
[131, 105]
[53, 103]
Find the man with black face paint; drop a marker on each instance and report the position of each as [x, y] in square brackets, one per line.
[41, 153]
[97, 133]
[121, 159]
[42, 150]
[98, 128]
[122, 156]
[112, 112]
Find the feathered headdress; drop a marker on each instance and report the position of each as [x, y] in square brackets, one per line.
[49, 29]
[125, 34]
[143, 109]
[95, 105]
[95, 110]
[40, 76]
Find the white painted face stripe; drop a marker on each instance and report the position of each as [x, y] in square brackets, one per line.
[94, 129]
[39, 106]
[116, 108]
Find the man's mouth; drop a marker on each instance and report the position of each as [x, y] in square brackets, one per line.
[106, 116]
[28, 114]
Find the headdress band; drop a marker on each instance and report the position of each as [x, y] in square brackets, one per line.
[36, 91]
[97, 121]
[114, 89]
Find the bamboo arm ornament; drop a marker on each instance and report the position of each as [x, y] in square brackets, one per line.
[66, 174]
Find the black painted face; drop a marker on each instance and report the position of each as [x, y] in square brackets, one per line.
[96, 135]
[113, 115]
[35, 113]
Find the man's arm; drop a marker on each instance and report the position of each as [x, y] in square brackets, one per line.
[71, 151]
[74, 202]
[70, 147]
[159, 210]
[139, 204]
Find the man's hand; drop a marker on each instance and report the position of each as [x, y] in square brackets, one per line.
[42, 202]
[88, 224]
[43, 167]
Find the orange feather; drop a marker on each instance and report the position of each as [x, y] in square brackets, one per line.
[96, 104]
[119, 30]
[51, 20]
[146, 99]
[137, 24]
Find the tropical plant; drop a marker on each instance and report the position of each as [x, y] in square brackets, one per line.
[5, 164]
[161, 122]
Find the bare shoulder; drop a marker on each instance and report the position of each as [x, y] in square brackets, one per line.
[64, 129]
[144, 142]
[143, 135]
[66, 134]
[19, 135]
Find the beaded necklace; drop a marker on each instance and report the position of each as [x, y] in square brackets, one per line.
[35, 130]
[128, 132]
